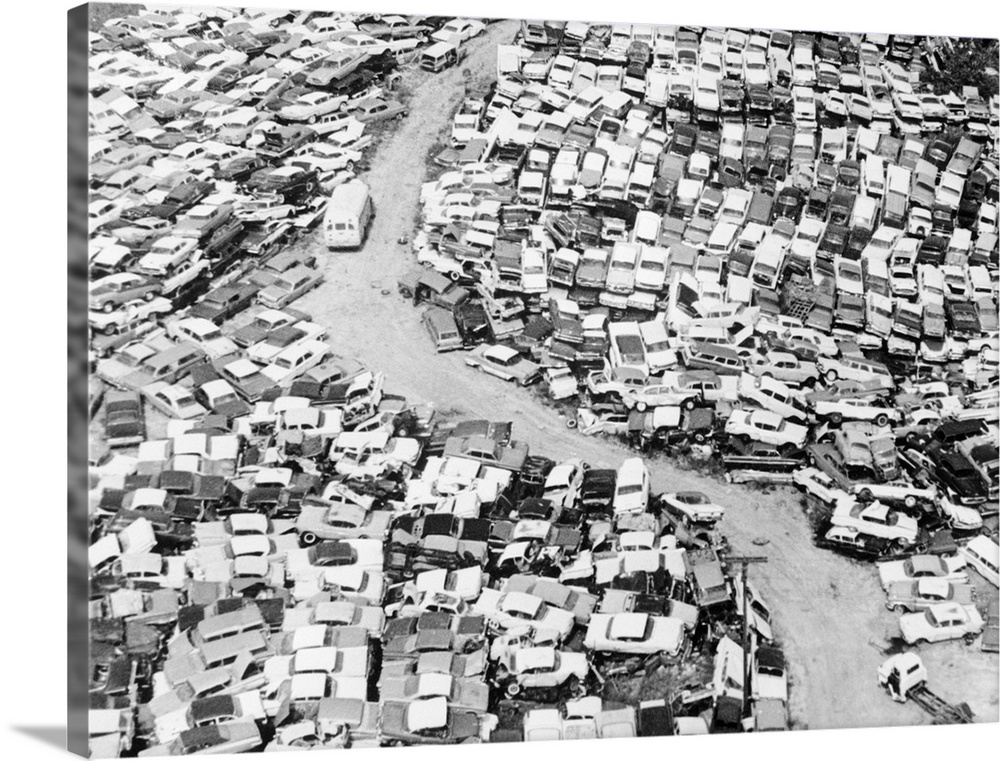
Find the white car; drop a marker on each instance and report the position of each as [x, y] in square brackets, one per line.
[507, 610]
[896, 492]
[326, 158]
[659, 395]
[631, 487]
[877, 520]
[761, 425]
[923, 567]
[855, 409]
[941, 622]
[818, 484]
[173, 400]
[459, 30]
[634, 634]
[693, 505]
[562, 484]
[535, 668]
[295, 360]
[202, 333]
[983, 554]
[311, 106]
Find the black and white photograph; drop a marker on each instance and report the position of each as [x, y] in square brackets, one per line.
[471, 380]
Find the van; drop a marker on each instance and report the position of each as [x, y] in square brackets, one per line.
[873, 176]
[443, 329]
[722, 359]
[983, 554]
[348, 215]
[440, 56]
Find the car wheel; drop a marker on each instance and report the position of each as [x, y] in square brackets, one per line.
[349, 166]
[882, 420]
[109, 329]
[513, 689]
[910, 501]
[831, 375]
[920, 641]
[571, 423]
[312, 119]
[766, 375]
[576, 687]
[308, 539]
[809, 382]
[689, 404]
[149, 295]
[865, 495]
[640, 406]
[108, 307]
[836, 418]
[700, 437]
[455, 275]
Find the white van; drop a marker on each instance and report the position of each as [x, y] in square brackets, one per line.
[348, 215]
[983, 554]
[873, 176]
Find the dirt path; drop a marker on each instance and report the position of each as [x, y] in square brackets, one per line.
[827, 609]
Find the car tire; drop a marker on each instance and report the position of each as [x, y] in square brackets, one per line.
[312, 119]
[882, 420]
[900, 609]
[836, 418]
[513, 689]
[865, 495]
[308, 539]
[640, 406]
[454, 276]
[349, 166]
[831, 375]
[809, 382]
[148, 296]
[767, 375]
[688, 404]
[108, 307]
[571, 423]
[699, 437]
[910, 501]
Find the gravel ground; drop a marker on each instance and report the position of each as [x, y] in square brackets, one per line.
[828, 611]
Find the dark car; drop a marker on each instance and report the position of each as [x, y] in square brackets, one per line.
[683, 141]
[227, 77]
[124, 424]
[222, 303]
[240, 168]
[283, 141]
[181, 198]
[960, 479]
[354, 83]
[789, 203]
[293, 183]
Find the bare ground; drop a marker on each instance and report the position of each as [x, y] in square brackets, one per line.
[829, 612]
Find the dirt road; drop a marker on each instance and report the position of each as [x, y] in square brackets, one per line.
[828, 611]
